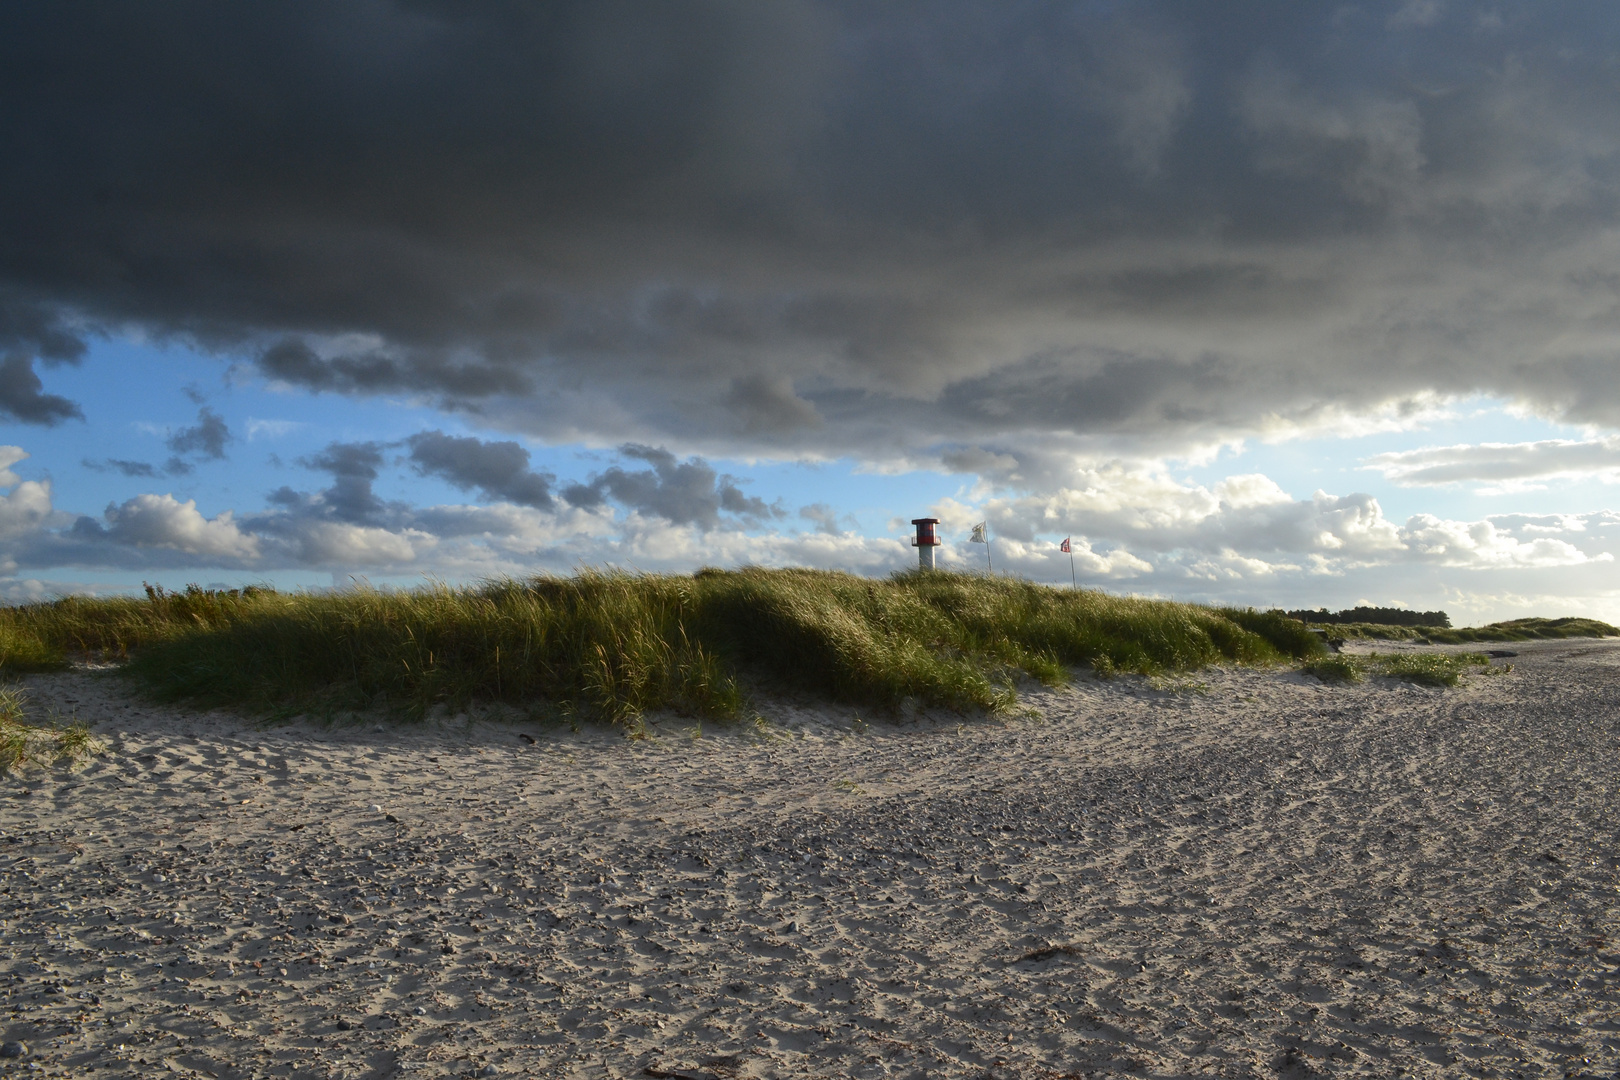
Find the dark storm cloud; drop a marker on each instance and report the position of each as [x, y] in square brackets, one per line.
[682, 492]
[22, 395]
[128, 468]
[830, 227]
[498, 470]
[350, 498]
[295, 362]
[30, 330]
[206, 438]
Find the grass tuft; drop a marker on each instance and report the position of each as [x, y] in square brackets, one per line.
[22, 743]
[1335, 669]
[1427, 669]
[611, 646]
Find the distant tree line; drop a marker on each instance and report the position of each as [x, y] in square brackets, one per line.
[1383, 616]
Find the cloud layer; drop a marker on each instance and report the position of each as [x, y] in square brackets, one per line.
[1503, 466]
[825, 228]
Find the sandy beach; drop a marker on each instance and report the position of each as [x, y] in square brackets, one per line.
[1239, 873]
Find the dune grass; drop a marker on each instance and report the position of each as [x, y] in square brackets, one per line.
[40, 637]
[1512, 630]
[22, 743]
[613, 646]
[1426, 669]
[1429, 669]
[1337, 668]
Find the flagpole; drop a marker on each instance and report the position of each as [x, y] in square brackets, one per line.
[1072, 579]
[988, 565]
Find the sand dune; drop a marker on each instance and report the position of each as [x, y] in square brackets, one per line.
[1239, 874]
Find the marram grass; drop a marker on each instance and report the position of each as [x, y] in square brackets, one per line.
[1426, 669]
[1512, 630]
[23, 743]
[613, 646]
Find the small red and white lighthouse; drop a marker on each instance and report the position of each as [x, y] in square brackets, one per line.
[926, 540]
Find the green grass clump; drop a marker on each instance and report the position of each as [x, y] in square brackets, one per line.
[23, 651]
[609, 645]
[613, 646]
[1335, 669]
[1525, 630]
[1375, 632]
[22, 742]
[1428, 669]
[1512, 630]
[1288, 635]
[40, 637]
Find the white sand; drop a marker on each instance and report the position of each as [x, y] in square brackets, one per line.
[1258, 877]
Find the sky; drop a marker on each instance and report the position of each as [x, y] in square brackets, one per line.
[1275, 304]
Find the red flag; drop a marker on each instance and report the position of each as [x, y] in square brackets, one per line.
[1065, 545]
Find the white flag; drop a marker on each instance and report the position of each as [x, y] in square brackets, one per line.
[978, 533]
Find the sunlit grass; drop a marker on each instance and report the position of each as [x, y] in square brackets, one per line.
[1512, 630]
[614, 646]
[1336, 669]
[1426, 669]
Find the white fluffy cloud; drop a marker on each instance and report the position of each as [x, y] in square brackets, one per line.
[1143, 506]
[162, 521]
[1246, 537]
[1230, 566]
[24, 509]
[329, 544]
[9, 456]
[1481, 545]
[28, 504]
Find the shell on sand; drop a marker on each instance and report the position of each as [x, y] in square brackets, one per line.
[1243, 873]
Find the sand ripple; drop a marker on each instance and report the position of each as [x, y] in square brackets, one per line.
[1244, 874]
